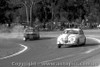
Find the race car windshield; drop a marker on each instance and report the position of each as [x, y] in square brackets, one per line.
[71, 32]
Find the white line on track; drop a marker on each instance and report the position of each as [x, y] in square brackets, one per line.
[97, 66]
[59, 58]
[89, 51]
[93, 49]
[98, 42]
[94, 36]
[24, 49]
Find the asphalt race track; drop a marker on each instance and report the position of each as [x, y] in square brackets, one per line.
[44, 53]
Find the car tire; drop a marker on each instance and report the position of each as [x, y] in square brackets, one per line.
[38, 37]
[59, 45]
[84, 42]
[78, 42]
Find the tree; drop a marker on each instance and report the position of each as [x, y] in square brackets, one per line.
[49, 10]
[3, 8]
[7, 10]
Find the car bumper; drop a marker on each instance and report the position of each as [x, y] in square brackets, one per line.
[68, 43]
[31, 36]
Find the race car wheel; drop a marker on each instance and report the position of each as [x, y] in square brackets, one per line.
[38, 37]
[59, 45]
[77, 42]
[84, 42]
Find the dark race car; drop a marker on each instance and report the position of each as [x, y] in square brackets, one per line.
[31, 34]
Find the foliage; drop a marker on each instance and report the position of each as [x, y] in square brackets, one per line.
[7, 12]
[51, 10]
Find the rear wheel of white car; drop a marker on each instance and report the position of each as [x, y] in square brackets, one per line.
[78, 42]
[84, 42]
[59, 45]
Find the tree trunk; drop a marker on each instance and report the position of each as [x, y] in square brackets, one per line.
[27, 15]
[31, 14]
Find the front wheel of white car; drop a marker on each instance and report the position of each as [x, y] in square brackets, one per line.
[59, 45]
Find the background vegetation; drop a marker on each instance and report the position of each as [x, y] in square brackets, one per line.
[50, 14]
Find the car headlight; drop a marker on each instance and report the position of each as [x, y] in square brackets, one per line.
[71, 39]
[60, 39]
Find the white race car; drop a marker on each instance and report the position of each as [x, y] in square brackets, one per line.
[71, 36]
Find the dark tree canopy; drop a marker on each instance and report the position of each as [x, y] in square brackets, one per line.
[7, 11]
[50, 10]
[3, 8]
